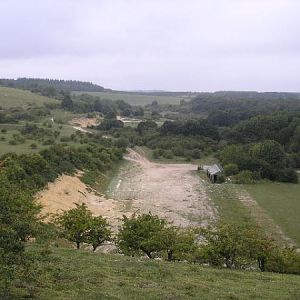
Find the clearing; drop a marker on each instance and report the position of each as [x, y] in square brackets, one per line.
[172, 191]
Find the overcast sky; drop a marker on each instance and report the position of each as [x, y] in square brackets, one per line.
[179, 45]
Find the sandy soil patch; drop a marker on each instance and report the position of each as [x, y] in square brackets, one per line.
[84, 122]
[172, 191]
[68, 190]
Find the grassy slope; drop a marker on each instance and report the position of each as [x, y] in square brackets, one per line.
[10, 97]
[282, 202]
[80, 275]
[5, 147]
[136, 99]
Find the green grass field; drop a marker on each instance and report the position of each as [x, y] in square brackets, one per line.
[73, 274]
[10, 97]
[138, 99]
[282, 202]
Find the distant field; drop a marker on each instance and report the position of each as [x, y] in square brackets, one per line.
[282, 202]
[10, 97]
[138, 99]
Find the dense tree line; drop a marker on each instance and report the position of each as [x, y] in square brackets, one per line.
[229, 108]
[190, 127]
[49, 86]
[281, 127]
[265, 159]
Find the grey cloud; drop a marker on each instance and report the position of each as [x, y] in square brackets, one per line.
[175, 45]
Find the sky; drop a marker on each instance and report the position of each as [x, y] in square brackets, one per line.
[176, 45]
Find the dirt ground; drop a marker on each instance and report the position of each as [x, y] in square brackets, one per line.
[68, 190]
[84, 122]
[172, 191]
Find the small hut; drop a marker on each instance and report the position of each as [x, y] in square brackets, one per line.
[213, 172]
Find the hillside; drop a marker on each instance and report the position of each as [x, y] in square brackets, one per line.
[81, 275]
[140, 98]
[11, 97]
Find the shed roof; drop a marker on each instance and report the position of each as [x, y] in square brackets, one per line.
[214, 169]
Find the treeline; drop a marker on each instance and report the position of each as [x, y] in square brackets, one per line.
[257, 161]
[228, 108]
[281, 127]
[85, 103]
[265, 146]
[21, 176]
[48, 86]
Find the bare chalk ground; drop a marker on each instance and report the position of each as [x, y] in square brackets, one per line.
[172, 191]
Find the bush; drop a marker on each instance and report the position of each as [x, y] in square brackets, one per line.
[196, 154]
[155, 154]
[231, 169]
[65, 139]
[220, 179]
[244, 177]
[33, 146]
[285, 260]
[287, 175]
[168, 154]
[3, 130]
[121, 143]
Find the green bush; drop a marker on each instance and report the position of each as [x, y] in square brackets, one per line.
[244, 177]
[220, 179]
[231, 169]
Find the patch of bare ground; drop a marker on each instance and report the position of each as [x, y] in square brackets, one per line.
[66, 190]
[84, 122]
[172, 191]
[262, 218]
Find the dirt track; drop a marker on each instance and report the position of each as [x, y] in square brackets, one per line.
[172, 191]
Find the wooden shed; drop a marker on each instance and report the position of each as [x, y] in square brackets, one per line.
[213, 172]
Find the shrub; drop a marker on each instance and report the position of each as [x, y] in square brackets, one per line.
[231, 169]
[155, 154]
[220, 179]
[65, 139]
[196, 154]
[287, 175]
[168, 154]
[244, 177]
